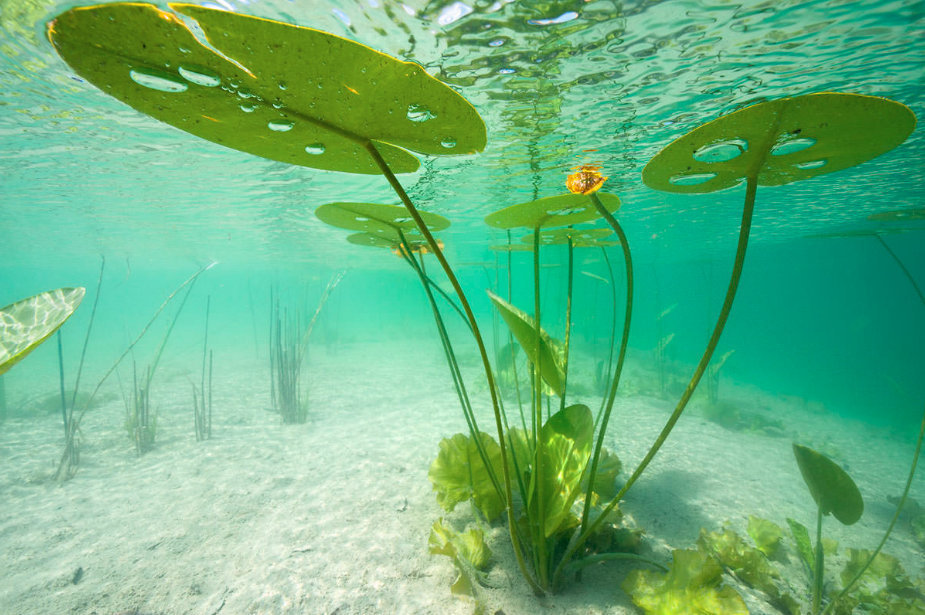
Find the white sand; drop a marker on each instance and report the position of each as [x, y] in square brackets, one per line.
[333, 516]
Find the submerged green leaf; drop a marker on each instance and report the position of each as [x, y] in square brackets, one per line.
[766, 534]
[468, 552]
[692, 586]
[29, 322]
[524, 330]
[747, 562]
[288, 93]
[804, 545]
[458, 474]
[567, 437]
[831, 487]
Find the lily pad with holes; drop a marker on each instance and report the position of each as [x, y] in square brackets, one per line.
[581, 238]
[898, 215]
[283, 92]
[552, 211]
[376, 218]
[29, 322]
[831, 487]
[523, 328]
[782, 141]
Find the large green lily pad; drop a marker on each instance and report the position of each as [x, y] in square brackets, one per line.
[552, 211]
[288, 93]
[581, 238]
[29, 322]
[781, 141]
[376, 218]
[831, 487]
[523, 327]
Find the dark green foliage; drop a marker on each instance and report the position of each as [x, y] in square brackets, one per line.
[831, 487]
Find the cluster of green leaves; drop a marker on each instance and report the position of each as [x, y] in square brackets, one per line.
[693, 584]
[469, 554]
[883, 589]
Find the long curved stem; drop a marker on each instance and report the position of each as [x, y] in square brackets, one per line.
[539, 541]
[422, 226]
[568, 320]
[744, 229]
[903, 267]
[621, 356]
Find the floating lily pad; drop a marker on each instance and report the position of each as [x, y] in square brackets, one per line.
[382, 241]
[898, 215]
[831, 487]
[784, 140]
[376, 218]
[581, 238]
[283, 92]
[512, 247]
[552, 211]
[29, 322]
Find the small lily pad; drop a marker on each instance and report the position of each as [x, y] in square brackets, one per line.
[782, 141]
[376, 218]
[552, 211]
[831, 487]
[283, 92]
[899, 215]
[581, 238]
[29, 322]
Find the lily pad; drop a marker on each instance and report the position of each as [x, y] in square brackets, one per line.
[784, 141]
[382, 220]
[381, 241]
[831, 487]
[524, 330]
[899, 215]
[581, 238]
[283, 92]
[29, 322]
[552, 211]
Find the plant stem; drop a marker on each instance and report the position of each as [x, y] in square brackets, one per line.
[539, 540]
[422, 226]
[83, 352]
[819, 567]
[61, 382]
[903, 267]
[744, 229]
[568, 320]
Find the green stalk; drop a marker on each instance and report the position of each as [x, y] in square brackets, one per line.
[422, 226]
[568, 320]
[903, 267]
[539, 540]
[744, 229]
[819, 568]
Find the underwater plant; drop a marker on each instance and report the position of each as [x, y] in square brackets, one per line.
[289, 338]
[202, 398]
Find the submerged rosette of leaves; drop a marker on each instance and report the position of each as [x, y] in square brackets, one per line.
[459, 474]
[766, 534]
[468, 551]
[693, 584]
[884, 588]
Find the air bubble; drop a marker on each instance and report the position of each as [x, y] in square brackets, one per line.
[280, 125]
[315, 149]
[496, 43]
[157, 80]
[791, 146]
[448, 143]
[249, 107]
[199, 76]
[245, 93]
[282, 85]
[721, 151]
[694, 179]
[418, 113]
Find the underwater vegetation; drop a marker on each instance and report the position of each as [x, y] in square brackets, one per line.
[332, 104]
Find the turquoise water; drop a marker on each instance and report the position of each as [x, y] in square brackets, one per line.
[827, 322]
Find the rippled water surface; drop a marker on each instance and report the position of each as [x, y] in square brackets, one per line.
[557, 83]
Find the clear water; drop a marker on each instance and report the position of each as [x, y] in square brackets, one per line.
[826, 320]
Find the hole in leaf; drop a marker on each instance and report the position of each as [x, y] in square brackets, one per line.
[157, 80]
[694, 179]
[721, 151]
